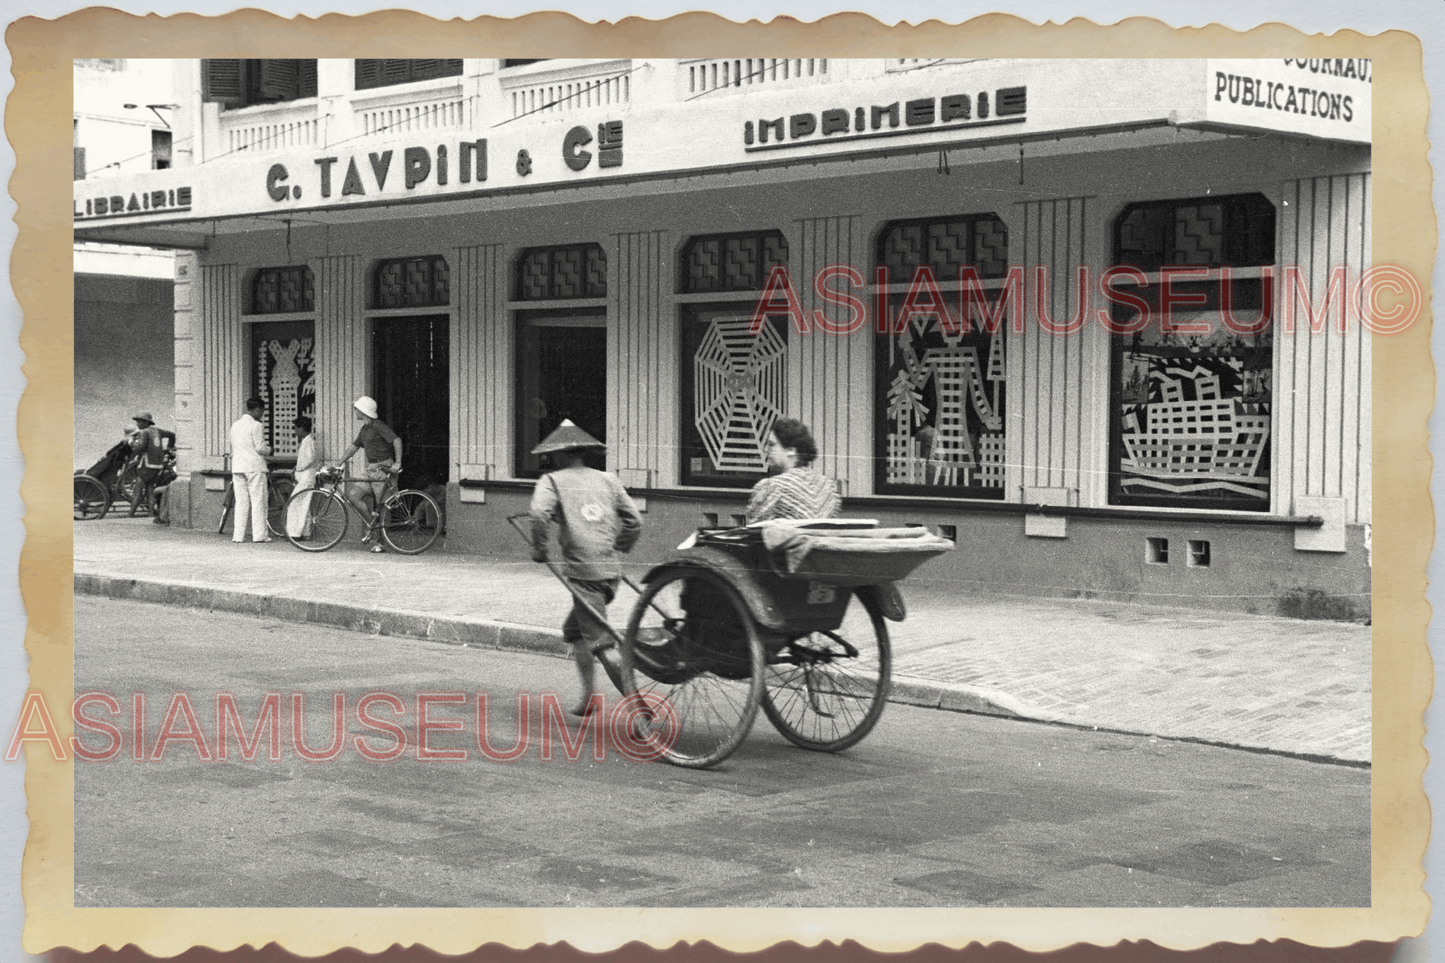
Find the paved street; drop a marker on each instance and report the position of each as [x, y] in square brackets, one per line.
[1286, 685]
[933, 809]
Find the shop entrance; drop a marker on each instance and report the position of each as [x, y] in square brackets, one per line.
[562, 374]
[413, 393]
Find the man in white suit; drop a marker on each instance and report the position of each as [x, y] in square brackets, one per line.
[248, 473]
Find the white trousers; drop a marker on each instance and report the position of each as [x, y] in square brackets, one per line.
[298, 512]
[250, 489]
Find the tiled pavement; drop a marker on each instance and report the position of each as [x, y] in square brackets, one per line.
[1279, 684]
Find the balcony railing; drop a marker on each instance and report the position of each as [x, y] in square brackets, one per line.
[271, 128]
[567, 89]
[410, 111]
[702, 76]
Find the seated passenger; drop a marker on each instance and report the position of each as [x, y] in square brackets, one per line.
[793, 489]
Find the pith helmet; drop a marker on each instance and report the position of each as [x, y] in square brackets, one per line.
[144, 416]
[366, 405]
[566, 437]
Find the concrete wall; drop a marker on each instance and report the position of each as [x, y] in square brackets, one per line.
[124, 342]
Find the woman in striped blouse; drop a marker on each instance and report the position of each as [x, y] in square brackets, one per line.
[795, 489]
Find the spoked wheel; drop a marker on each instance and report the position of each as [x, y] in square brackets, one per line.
[826, 690]
[126, 485]
[277, 498]
[92, 500]
[693, 655]
[411, 522]
[320, 516]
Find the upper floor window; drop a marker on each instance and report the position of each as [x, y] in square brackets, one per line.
[522, 63]
[241, 83]
[732, 262]
[562, 273]
[387, 73]
[160, 149]
[414, 282]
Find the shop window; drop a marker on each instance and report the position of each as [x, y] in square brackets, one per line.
[1191, 394]
[413, 282]
[734, 386]
[283, 375]
[561, 375]
[387, 73]
[940, 398]
[241, 83]
[562, 273]
[732, 262]
[283, 290]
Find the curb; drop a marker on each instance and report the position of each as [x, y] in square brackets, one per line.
[481, 633]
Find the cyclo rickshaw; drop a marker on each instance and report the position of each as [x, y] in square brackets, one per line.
[786, 616]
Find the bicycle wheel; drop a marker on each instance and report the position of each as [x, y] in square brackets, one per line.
[228, 510]
[410, 522]
[278, 495]
[692, 645]
[92, 500]
[325, 519]
[826, 690]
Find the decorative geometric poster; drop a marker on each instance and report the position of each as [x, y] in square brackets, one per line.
[945, 408]
[1194, 416]
[285, 373]
[738, 392]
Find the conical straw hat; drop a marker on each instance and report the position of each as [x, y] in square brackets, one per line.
[566, 436]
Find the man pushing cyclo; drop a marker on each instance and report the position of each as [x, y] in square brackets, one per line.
[383, 460]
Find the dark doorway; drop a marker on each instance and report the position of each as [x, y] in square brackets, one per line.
[562, 374]
[413, 394]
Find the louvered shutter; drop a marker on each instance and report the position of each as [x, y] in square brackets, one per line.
[79, 163]
[278, 79]
[395, 72]
[368, 74]
[306, 83]
[222, 82]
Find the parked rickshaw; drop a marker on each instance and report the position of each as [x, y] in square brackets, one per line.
[786, 616]
[111, 481]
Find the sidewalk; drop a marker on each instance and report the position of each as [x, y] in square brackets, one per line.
[1239, 680]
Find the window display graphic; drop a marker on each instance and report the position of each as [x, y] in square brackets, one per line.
[738, 386]
[1196, 414]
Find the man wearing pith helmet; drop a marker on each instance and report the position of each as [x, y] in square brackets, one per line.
[383, 459]
[596, 523]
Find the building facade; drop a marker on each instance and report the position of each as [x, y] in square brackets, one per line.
[124, 308]
[1071, 314]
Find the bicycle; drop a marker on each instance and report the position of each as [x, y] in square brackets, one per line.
[279, 486]
[409, 520]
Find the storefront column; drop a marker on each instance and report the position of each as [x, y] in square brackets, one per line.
[341, 348]
[830, 375]
[223, 357]
[481, 364]
[642, 361]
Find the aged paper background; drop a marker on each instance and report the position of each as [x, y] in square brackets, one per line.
[1404, 235]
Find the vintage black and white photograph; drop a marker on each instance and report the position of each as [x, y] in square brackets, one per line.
[723, 482]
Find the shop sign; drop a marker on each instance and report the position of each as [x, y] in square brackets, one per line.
[168, 201]
[950, 112]
[419, 167]
[1324, 98]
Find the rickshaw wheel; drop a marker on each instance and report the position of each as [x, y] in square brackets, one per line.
[692, 643]
[825, 690]
[92, 500]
